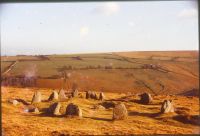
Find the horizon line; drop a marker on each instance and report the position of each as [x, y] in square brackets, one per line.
[98, 52]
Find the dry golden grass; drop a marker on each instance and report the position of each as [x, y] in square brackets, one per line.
[142, 119]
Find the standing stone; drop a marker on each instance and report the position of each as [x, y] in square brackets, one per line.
[88, 93]
[75, 93]
[120, 112]
[92, 95]
[101, 96]
[73, 110]
[55, 108]
[53, 96]
[95, 96]
[36, 97]
[167, 106]
[61, 95]
[145, 98]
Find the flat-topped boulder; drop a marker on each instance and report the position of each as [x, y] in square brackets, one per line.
[53, 96]
[73, 110]
[120, 112]
[167, 106]
[37, 97]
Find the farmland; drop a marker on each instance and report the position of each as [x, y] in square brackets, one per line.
[172, 72]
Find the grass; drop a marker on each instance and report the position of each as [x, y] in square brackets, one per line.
[142, 119]
[5, 65]
[180, 75]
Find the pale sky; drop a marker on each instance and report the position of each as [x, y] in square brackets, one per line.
[90, 27]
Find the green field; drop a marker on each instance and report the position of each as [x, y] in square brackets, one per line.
[172, 72]
[5, 65]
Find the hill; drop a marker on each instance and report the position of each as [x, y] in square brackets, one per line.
[158, 72]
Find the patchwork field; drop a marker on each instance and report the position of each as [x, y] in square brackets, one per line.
[142, 119]
[173, 72]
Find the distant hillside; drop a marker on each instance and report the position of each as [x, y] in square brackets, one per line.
[170, 72]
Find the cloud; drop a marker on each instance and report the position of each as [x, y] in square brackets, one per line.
[131, 23]
[84, 31]
[108, 8]
[188, 13]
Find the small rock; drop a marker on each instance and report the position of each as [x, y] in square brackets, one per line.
[36, 110]
[14, 102]
[33, 109]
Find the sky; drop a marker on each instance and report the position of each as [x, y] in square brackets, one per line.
[92, 27]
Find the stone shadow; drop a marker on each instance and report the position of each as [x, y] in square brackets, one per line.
[188, 119]
[23, 101]
[97, 118]
[151, 115]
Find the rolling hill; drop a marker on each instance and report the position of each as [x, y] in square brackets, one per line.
[158, 72]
